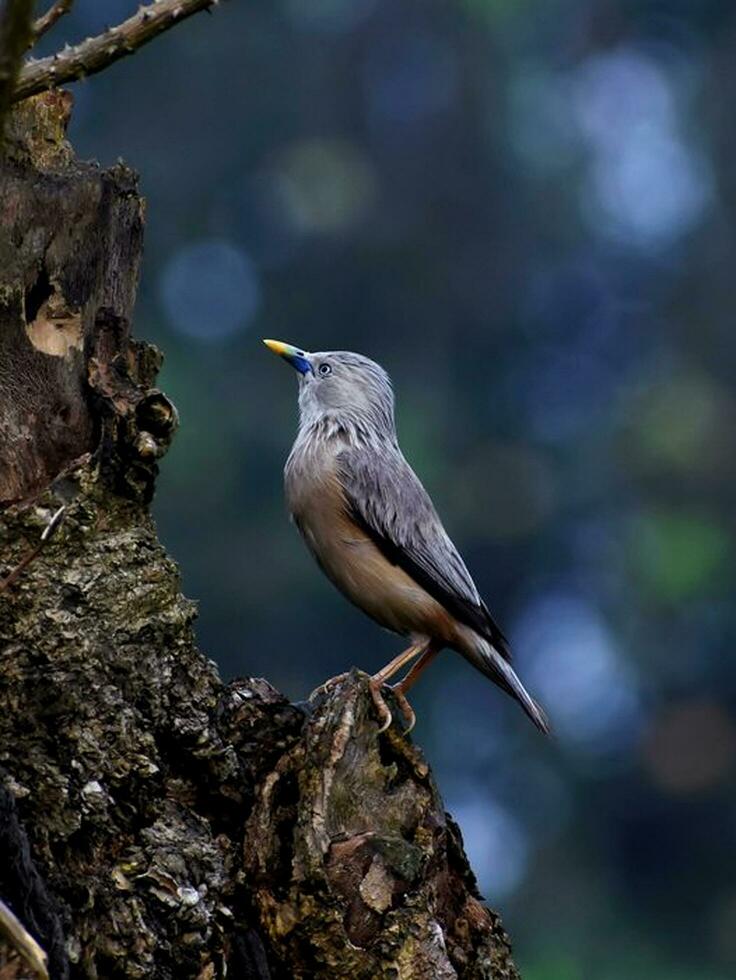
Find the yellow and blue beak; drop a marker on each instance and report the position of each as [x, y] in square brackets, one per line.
[298, 359]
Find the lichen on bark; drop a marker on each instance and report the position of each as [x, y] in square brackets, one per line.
[371, 881]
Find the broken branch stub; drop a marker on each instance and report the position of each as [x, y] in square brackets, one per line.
[95, 53]
[71, 236]
[357, 871]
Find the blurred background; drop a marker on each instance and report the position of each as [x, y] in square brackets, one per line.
[524, 211]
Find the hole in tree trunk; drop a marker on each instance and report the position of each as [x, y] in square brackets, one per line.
[37, 295]
[53, 327]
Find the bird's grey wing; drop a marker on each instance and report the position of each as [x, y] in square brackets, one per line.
[385, 497]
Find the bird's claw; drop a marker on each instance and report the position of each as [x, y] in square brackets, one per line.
[406, 709]
[384, 712]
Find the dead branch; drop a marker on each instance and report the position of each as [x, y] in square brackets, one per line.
[46, 21]
[96, 53]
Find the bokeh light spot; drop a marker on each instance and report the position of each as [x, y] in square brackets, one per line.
[325, 186]
[650, 191]
[209, 290]
[589, 692]
[496, 843]
[647, 186]
[691, 747]
[682, 421]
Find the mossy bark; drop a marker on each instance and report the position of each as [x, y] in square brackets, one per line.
[154, 821]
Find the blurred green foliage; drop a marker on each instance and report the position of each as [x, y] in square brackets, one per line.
[679, 556]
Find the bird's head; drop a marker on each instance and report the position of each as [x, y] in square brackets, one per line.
[346, 387]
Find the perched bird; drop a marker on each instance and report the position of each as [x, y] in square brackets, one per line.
[374, 531]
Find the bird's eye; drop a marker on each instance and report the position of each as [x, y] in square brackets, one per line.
[324, 369]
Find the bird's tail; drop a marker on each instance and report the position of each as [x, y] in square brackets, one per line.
[490, 662]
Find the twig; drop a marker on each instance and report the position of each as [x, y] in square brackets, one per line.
[97, 53]
[46, 21]
[16, 34]
[48, 533]
[14, 930]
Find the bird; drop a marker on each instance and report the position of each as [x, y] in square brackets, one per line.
[375, 533]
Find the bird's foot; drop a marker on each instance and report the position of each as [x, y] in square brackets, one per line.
[330, 682]
[384, 712]
[406, 709]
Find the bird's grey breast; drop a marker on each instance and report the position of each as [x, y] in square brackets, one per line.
[345, 550]
[314, 495]
[310, 477]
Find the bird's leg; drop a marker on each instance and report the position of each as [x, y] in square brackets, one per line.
[398, 662]
[417, 668]
[379, 679]
[400, 689]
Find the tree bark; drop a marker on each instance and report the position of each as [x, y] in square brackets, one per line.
[154, 821]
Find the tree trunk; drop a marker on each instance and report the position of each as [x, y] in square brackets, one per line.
[154, 821]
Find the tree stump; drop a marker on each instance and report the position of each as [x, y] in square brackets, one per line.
[154, 821]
